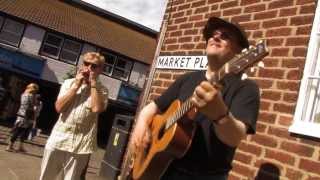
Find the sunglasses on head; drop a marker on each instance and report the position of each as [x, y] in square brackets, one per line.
[94, 66]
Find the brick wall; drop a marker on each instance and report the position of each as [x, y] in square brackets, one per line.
[286, 24]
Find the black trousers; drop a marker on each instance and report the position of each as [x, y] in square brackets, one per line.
[19, 132]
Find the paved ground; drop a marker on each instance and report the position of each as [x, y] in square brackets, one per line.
[26, 166]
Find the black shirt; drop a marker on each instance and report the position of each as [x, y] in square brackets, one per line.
[207, 153]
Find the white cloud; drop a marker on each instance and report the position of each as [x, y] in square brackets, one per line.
[146, 12]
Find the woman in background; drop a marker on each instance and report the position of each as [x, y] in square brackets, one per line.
[25, 117]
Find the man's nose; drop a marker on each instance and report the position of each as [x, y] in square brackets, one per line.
[216, 36]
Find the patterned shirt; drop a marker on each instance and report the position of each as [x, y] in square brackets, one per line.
[26, 102]
[76, 128]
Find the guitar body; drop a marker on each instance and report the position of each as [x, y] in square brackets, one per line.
[166, 145]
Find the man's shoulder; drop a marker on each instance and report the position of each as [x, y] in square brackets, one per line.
[249, 86]
[237, 84]
[250, 82]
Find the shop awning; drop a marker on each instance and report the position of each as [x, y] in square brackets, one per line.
[17, 62]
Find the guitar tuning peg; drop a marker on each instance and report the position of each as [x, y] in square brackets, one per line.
[245, 50]
[261, 64]
[244, 76]
[251, 47]
[252, 69]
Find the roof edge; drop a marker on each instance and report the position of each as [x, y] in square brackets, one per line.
[113, 17]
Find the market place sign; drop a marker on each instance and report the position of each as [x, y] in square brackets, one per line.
[182, 62]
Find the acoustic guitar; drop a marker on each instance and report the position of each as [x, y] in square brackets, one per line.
[171, 133]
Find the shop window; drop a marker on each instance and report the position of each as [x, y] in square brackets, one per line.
[52, 45]
[58, 47]
[307, 114]
[110, 62]
[10, 31]
[122, 69]
[129, 95]
[117, 67]
[70, 51]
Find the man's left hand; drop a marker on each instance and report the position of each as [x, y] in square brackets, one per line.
[207, 98]
[93, 78]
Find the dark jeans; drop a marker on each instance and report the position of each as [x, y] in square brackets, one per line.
[19, 132]
[174, 174]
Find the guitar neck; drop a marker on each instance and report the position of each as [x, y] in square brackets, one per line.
[185, 107]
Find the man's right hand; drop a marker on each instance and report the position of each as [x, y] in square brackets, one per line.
[80, 76]
[141, 135]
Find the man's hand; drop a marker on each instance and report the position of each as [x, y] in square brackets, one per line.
[141, 135]
[207, 98]
[80, 77]
[93, 76]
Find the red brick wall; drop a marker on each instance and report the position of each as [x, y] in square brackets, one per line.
[286, 24]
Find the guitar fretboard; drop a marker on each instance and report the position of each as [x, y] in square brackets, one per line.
[185, 107]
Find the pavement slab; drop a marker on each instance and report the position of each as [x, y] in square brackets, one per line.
[26, 166]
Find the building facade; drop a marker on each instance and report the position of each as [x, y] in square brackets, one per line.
[44, 42]
[286, 144]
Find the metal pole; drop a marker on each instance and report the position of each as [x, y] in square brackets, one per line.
[153, 67]
[128, 157]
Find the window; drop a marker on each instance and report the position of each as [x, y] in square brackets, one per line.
[129, 95]
[10, 31]
[307, 114]
[110, 62]
[58, 47]
[122, 69]
[52, 45]
[117, 67]
[70, 51]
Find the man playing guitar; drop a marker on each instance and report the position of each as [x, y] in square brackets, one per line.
[226, 110]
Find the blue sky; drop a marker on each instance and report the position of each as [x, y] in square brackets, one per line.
[148, 13]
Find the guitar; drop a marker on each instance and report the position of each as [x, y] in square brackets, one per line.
[171, 136]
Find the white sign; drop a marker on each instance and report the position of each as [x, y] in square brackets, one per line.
[182, 62]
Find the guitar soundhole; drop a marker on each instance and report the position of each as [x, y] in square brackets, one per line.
[161, 132]
[146, 150]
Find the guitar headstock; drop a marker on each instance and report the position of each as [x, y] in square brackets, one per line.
[246, 59]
